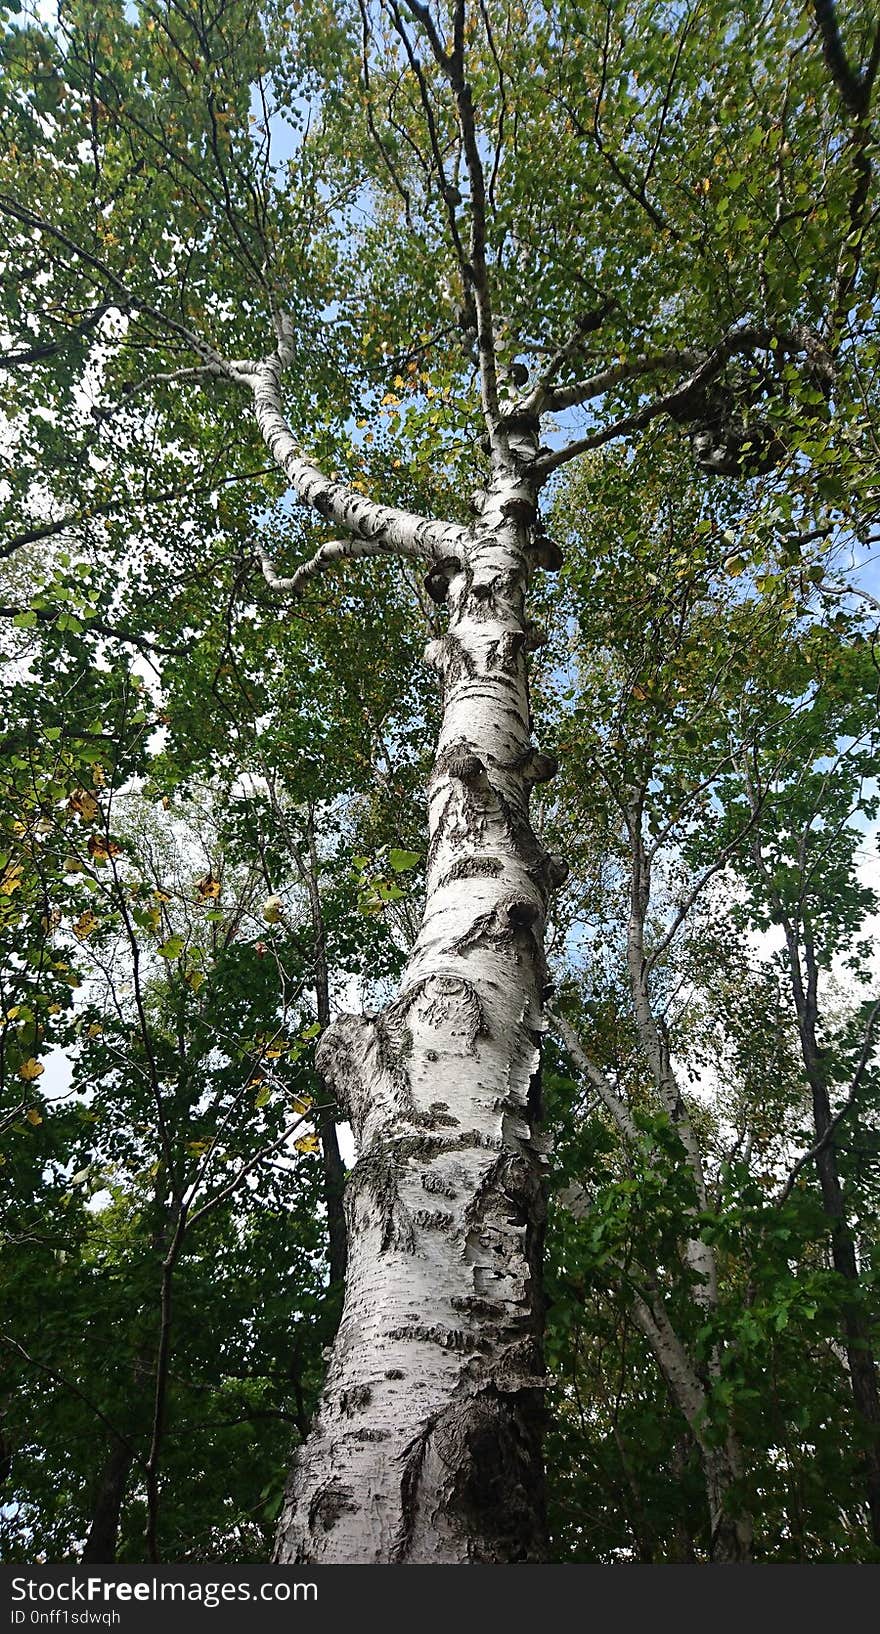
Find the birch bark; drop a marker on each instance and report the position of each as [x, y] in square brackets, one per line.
[426, 1445]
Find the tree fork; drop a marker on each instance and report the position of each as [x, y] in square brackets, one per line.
[426, 1447]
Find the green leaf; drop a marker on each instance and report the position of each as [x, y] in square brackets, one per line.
[402, 861]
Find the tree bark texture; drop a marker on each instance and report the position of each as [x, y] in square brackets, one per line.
[103, 1540]
[426, 1445]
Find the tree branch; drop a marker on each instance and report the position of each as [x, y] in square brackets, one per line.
[847, 1106]
[384, 527]
[747, 338]
[610, 1100]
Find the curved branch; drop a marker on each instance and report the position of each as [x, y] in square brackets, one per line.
[384, 527]
[589, 1070]
[39, 354]
[582, 391]
[748, 338]
[76, 519]
[326, 556]
[855, 89]
[97, 626]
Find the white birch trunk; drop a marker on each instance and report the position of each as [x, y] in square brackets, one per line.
[426, 1445]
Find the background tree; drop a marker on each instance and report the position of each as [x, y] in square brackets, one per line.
[702, 708]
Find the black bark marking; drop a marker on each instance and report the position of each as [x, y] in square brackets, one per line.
[354, 1399]
[473, 1470]
[472, 868]
[440, 577]
[377, 1173]
[504, 654]
[329, 1504]
[435, 1184]
[511, 919]
[458, 663]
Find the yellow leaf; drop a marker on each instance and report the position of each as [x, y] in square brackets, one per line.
[101, 847]
[301, 1103]
[85, 925]
[11, 879]
[33, 1116]
[273, 910]
[194, 979]
[209, 888]
[308, 1144]
[84, 805]
[31, 1069]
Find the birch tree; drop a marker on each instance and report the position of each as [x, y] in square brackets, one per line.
[717, 708]
[498, 237]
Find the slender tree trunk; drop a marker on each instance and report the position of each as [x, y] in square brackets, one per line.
[334, 1168]
[683, 1550]
[859, 1350]
[731, 1532]
[102, 1542]
[730, 1526]
[426, 1446]
[804, 972]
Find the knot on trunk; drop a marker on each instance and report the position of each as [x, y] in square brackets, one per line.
[340, 1057]
[536, 636]
[454, 1004]
[539, 765]
[472, 868]
[513, 916]
[329, 1504]
[474, 1472]
[459, 761]
[519, 506]
[557, 871]
[440, 576]
[544, 552]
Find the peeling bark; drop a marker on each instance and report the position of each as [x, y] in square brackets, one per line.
[426, 1445]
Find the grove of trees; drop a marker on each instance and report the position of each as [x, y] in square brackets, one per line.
[439, 993]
